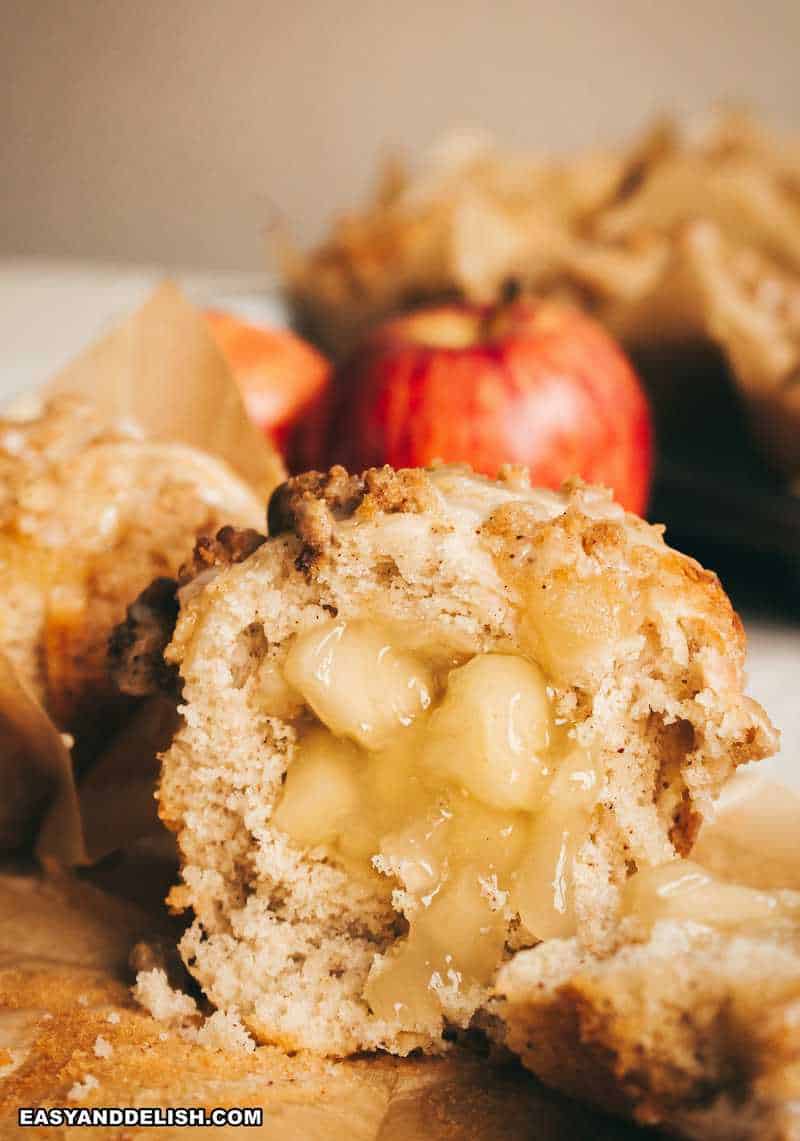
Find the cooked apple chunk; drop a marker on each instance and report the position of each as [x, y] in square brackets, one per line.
[543, 891]
[466, 714]
[491, 733]
[356, 682]
[322, 792]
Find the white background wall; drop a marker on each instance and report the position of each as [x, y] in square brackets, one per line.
[172, 130]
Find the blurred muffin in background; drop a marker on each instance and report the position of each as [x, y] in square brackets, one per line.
[686, 244]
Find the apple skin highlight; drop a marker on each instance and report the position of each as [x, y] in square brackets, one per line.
[533, 382]
[280, 376]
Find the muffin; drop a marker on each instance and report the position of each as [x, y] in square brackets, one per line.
[692, 1024]
[431, 720]
[90, 514]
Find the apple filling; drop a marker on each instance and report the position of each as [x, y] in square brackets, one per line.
[449, 782]
[683, 890]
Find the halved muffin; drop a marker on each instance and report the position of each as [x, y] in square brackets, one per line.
[431, 720]
[90, 513]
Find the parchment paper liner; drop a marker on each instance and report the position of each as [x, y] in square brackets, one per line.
[161, 371]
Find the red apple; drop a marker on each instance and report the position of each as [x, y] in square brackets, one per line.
[279, 375]
[531, 382]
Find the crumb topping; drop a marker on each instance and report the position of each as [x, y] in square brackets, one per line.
[309, 505]
[230, 545]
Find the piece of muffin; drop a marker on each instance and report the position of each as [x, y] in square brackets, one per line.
[431, 720]
[89, 515]
[694, 1026]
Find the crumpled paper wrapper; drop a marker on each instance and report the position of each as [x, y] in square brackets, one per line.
[162, 372]
[35, 770]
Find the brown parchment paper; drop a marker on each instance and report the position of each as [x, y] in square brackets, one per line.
[63, 951]
[114, 800]
[161, 371]
[35, 770]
